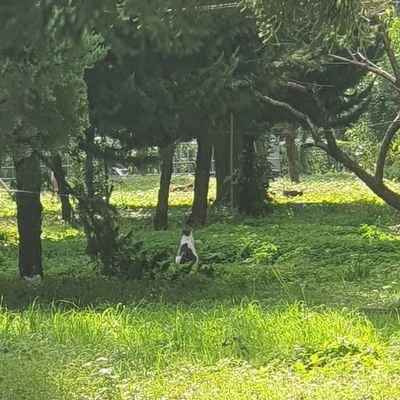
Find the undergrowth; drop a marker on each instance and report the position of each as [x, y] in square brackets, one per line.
[299, 304]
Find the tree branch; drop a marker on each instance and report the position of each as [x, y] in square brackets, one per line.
[378, 187]
[390, 53]
[386, 142]
[327, 123]
[366, 60]
[308, 145]
[299, 115]
[331, 148]
[369, 66]
[297, 86]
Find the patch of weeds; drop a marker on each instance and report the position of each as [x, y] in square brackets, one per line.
[356, 271]
[258, 250]
[308, 357]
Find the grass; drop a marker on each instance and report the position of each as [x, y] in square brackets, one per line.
[222, 350]
[301, 304]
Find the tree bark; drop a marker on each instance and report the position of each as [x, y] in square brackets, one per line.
[198, 215]
[385, 146]
[222, 151]
[29, 215]
[142, 166]
[166, 153]
[252, 181]
[63, 191]
[303, 156]
[292, 158]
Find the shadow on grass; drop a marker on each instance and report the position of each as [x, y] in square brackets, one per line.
[98, 291]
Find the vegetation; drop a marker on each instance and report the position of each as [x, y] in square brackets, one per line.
[271, 302]
[296, 294]
[346, 25]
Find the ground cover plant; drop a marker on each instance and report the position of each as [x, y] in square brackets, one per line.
[301, 303]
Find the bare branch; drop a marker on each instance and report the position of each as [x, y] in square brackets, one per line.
[366, 60]
[297, 86]
[385, 146]
[371, 68]
[299, 115]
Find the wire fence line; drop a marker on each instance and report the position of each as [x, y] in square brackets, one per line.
[184, 160]
[184, 163]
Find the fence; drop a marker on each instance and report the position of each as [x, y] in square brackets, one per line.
[184, 162]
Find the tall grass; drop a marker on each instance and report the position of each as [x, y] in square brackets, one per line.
[224, 350]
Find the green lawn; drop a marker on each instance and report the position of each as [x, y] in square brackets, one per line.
[301, 304]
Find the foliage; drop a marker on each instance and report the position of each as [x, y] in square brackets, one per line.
[323, 23]
[50, 103]
[378, 22]
[189, 92]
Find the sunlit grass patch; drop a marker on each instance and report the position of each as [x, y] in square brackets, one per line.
[140, 191]
[330, 188]
[219, 350]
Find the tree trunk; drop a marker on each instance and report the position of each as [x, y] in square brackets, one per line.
[142, 155]
[252, 181]
[160, 221]
[237, 165]
[304, 164]
[292, 157]
[222, 152]
[63, 192]
[29, 215]
[378, 187]
[198, 215]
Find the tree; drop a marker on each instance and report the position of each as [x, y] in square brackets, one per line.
[55, 165]
[134, 97]
[160, 221]
[186, 91]
[253, 180]
[29, 213]
[378, 22]
[46, 46]
[198, 213]
[43, 102]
